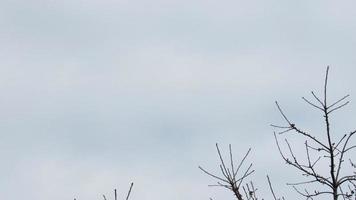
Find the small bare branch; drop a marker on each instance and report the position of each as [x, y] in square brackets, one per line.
[310, 103]
[338, 101]
[129, 192]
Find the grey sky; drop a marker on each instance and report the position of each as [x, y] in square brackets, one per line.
[96, 94]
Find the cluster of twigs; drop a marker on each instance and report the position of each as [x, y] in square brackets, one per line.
[232, 179]
[332, 152]
[115, 194]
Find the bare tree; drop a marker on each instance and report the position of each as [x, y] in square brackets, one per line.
[334, 152]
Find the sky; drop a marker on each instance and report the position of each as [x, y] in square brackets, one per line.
[98, 94]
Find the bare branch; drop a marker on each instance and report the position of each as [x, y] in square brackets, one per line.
[338, 101]
[129, 192]
[310, 103]
[271, 189]
[318, 99]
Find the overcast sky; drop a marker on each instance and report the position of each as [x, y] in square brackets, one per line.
[98, 93]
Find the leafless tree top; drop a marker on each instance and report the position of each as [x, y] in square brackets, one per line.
[334, 152]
